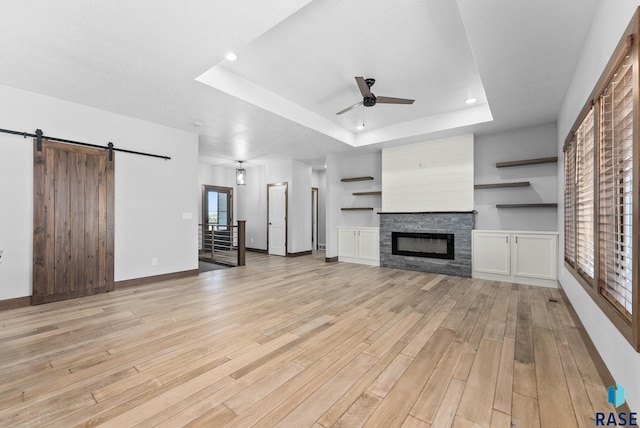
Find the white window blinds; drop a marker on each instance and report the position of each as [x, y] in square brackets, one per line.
[570, 204]
[615, 187]
[584, 197]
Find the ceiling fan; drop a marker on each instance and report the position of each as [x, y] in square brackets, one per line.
[369, 100]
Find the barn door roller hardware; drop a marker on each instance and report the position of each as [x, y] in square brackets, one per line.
[39, 137]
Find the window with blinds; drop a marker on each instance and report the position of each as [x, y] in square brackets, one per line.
[615, 189]
[584, 217]
[570, 204]
[602, 190]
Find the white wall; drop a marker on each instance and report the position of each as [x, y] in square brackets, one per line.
[318, 179]
[340, 194]
[431, 176]
[251, 201]
[322, 209]
[16, 211]
[368, 164]
[298, 177]
[611, 19]
[150, 194]
[525, 143]
[217, 176]
[333, 202]
[281, 172]
[300, 208]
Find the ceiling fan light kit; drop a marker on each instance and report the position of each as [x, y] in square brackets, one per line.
[369, 99]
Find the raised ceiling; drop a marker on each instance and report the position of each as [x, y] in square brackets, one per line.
[163, 61]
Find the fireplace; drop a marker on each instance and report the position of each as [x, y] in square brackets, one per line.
[433, 245]
[437, 242]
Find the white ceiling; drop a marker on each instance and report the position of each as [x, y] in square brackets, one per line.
[296, 67]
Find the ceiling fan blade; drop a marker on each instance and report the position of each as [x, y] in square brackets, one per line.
[391, 100]
[350, 108]
[364, 88]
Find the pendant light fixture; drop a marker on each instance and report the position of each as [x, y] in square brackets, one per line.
[241, 175]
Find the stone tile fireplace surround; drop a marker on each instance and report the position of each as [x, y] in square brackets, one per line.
[460, 224]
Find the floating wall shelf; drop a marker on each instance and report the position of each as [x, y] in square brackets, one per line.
[496, 185]
[356, 179]
[358, 209]
[553, 205]
[527, 162]
[376, 192]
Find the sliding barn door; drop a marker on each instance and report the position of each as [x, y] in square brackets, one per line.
[73, 222]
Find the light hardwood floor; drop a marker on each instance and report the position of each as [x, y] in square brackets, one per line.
[296, 342]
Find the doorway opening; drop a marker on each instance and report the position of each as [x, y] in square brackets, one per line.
[314, 218]
[217, 204]
[217, 235]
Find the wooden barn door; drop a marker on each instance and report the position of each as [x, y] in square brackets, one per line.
[73, 222]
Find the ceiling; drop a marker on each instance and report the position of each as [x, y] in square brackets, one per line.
[164, 61]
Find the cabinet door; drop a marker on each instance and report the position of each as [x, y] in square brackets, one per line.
[534, 256]
[369, 244]
[347, 243]
[491, 253]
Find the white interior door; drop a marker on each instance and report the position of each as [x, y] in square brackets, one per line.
[278, 219]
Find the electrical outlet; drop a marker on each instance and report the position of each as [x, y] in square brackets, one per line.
[252, 240]
[154, 261]
[1, 252]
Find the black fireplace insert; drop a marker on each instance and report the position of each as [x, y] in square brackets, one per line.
[434, 245]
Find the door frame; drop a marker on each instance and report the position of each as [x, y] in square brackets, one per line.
[204, 229]
[205, 188]
[316, 215]
[286, 214]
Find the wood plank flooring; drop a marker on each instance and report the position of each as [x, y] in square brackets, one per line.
[297, 342]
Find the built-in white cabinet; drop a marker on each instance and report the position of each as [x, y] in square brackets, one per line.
[492, 253]
[359, 245]
[513, 256]
[347, 245]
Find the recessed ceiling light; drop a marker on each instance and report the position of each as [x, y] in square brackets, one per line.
[471, 100]
[196, 123]
[231, 56]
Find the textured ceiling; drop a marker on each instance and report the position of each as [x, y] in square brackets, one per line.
[296, 66]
